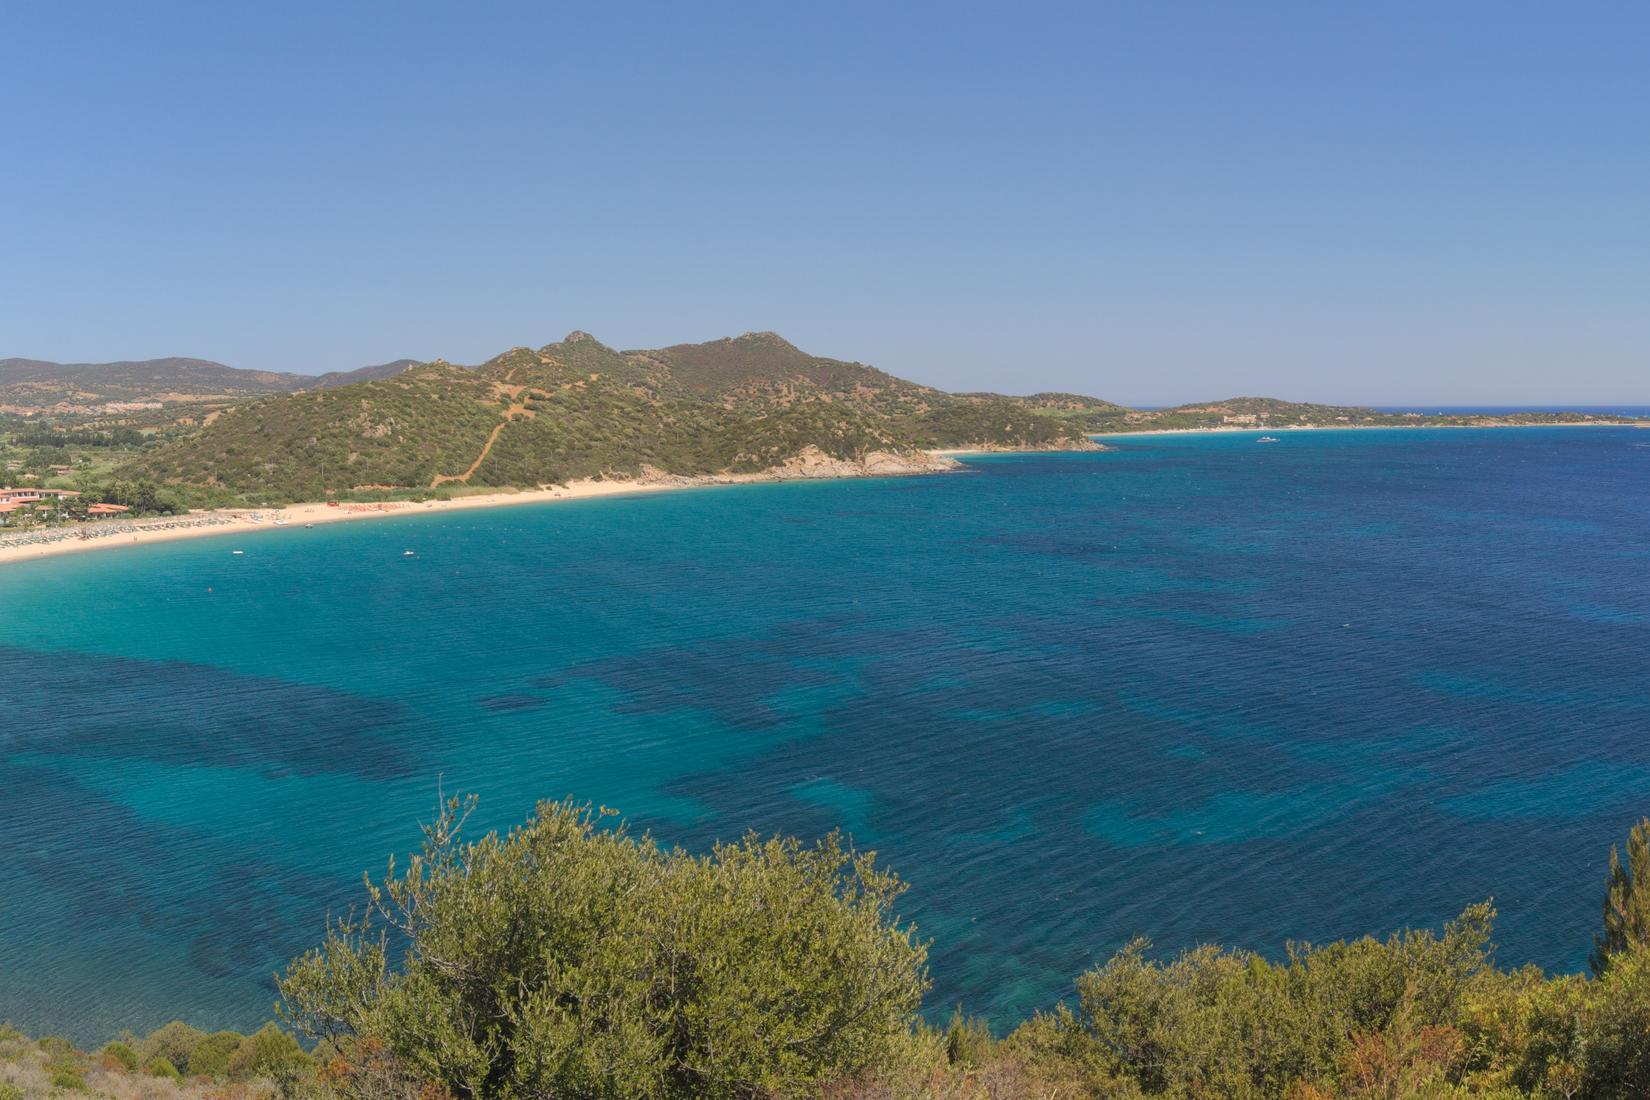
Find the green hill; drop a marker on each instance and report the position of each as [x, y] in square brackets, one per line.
[578, 409]
[764, 369]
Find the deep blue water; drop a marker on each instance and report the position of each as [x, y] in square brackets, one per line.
[1195, 689]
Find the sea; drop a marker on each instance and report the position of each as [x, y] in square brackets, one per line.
[1194, 688]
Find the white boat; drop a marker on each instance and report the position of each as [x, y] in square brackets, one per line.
[406, 553]
[237, 551]
[1267, 439]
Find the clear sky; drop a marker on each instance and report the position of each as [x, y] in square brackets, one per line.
[1154, 202]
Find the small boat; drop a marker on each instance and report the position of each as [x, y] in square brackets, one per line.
[406, 553]
[237, 551]
[1267, 439]
[308, 526]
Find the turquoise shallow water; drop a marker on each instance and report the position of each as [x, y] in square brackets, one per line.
[1195, 689]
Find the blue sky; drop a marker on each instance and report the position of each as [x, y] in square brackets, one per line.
[1155, 202]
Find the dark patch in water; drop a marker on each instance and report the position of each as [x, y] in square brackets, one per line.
[736, 681]
[510, 702]
[174, 712]
[249, 916]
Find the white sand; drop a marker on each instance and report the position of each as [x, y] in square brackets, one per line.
[239, 521]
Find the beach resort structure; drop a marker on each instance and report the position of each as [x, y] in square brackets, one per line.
[34, 496]
[12, 500]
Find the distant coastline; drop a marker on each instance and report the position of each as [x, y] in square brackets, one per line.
[1235, 429]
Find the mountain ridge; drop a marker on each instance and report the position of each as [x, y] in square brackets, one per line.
[51, 386]
[578, 408]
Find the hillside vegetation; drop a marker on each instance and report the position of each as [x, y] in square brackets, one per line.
[579, 409]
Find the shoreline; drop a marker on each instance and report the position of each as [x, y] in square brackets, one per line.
[217, 523]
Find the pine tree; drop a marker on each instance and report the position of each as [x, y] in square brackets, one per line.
[1626, 899]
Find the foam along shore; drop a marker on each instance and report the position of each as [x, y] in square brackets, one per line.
[810, 464]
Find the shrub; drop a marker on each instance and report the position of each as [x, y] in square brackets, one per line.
[68, 1076]
[571, 959]
[173, 1043]
[55, 1046]
[268, 1052]
[162, 1067]
[211, 1056]
[1230, 1023]
[121, 1054]
[1614, 1037]
[10, 1091]
[923, 1070]
[967, 1039]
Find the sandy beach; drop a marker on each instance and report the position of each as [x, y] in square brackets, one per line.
[252, 521]
[112, 534]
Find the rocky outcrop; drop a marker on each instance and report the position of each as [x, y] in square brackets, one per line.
[813, 462]
[1079, 443]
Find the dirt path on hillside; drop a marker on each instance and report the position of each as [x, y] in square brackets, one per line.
[519, 410]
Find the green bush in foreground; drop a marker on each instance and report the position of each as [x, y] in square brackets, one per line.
[268, 1053]
[568, 959]
[56, 1046]
[162, 1067]
[173, 1044]
[122, 1054]
[69, 1078]
[210, 1056]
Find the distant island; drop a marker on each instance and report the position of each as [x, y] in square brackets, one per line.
[95, 446]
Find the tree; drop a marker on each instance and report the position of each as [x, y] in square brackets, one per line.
[1626, 899]
[569, 958]
[142, 497]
